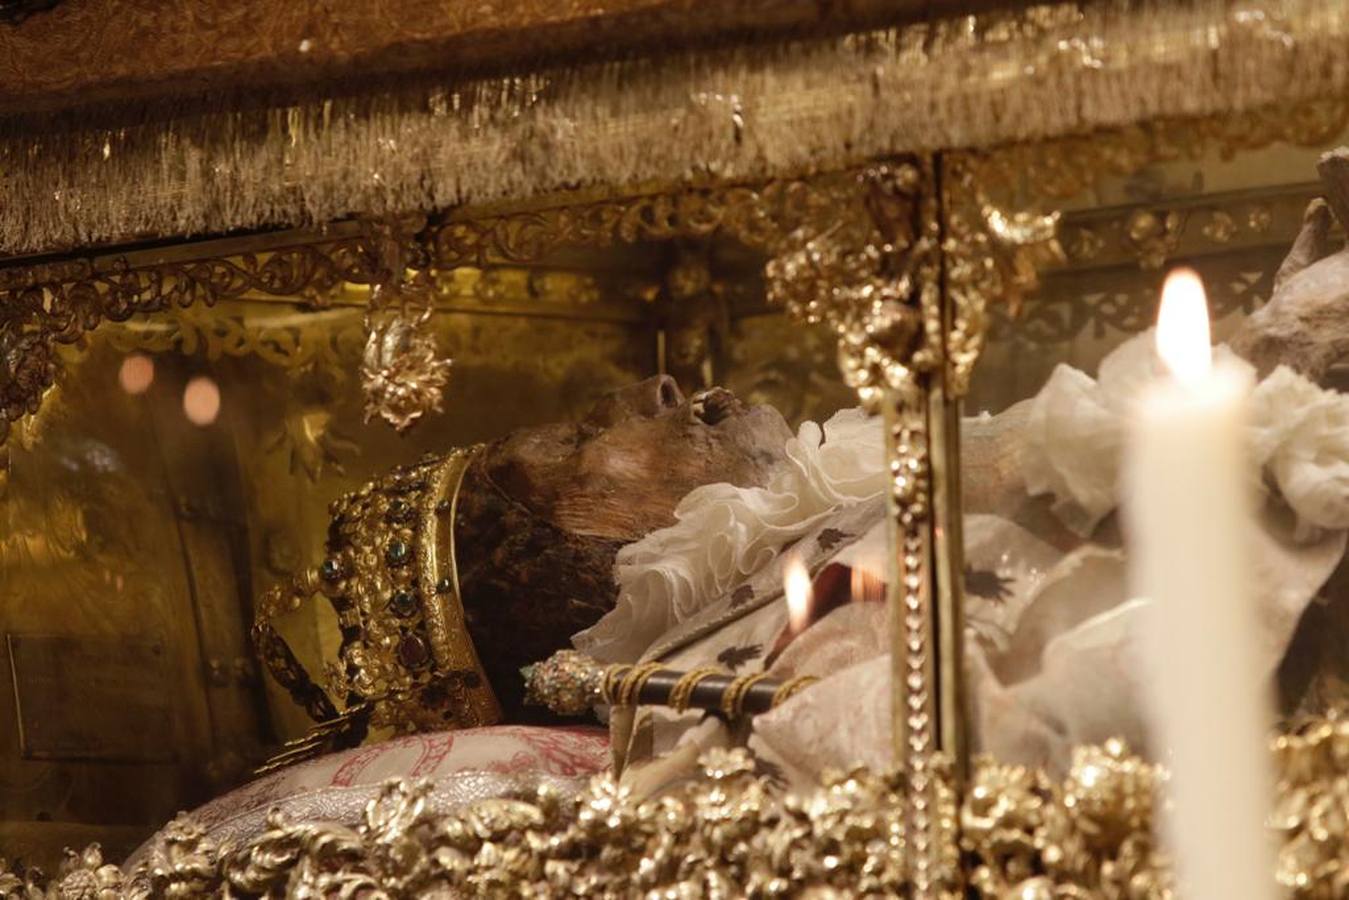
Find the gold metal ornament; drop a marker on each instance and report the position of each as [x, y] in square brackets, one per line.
[402, 373]
[1015, 833]
[993, 258]
[572, 684]
[407, 661]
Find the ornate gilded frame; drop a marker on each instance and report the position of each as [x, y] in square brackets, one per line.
[867, 253]
[906, 261]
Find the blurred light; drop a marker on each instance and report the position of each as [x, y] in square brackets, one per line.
[201, 400]
[797, 585]
[137, 373]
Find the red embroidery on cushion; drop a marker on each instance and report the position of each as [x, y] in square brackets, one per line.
[522, 761]
[567, 751]
[350, 770]
[435, 748]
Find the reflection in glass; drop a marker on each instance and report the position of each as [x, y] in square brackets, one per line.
[201, 401]
[1054, 631]
[137, 373]
[150, 537]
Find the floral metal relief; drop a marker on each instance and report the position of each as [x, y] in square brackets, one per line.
[1016, 833]
[992, 257]
[403, 375]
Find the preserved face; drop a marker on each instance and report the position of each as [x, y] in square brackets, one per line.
[619, 473]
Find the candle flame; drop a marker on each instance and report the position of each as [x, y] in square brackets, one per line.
[1183, 327]
[797, 583]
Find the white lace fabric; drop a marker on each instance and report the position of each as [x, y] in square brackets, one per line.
[1055, 663]
[1298, 433]
[724, 533]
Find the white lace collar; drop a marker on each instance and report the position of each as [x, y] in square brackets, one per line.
[724, 533]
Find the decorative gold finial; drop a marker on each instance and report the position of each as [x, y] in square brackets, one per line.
[402, 373]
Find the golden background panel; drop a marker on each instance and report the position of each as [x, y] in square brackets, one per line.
[90, 699]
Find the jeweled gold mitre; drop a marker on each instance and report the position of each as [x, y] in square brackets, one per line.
[406, 660]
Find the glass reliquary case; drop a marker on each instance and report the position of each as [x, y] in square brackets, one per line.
[950, 512]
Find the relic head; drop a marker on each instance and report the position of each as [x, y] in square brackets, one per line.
[619, 473]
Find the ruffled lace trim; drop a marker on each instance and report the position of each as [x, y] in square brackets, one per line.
[1299, 434]
[725, 533]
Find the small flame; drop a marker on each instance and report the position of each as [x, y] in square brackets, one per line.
[797, 583]
[1183, 328]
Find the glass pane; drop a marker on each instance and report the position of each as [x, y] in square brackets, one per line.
[188, 462]
[1055, 646]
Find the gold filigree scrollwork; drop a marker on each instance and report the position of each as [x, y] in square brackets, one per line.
[1057, 169]
[1048, 172]
[992, 256]
[761, 217]
[287, 342]
[1021, 834]
[48, 305]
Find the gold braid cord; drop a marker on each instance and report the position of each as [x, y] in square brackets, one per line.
[683, 689]
[630, 685]
[733, 701]
[790, 689]
[572, 684]
[1023, 835]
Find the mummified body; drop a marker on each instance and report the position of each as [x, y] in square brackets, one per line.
[544, 512]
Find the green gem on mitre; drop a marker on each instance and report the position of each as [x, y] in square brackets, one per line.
[331, 570]
[397, 553]
[403, 604]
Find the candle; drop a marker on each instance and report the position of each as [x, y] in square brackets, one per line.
[1189, 515]
[797, 587]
